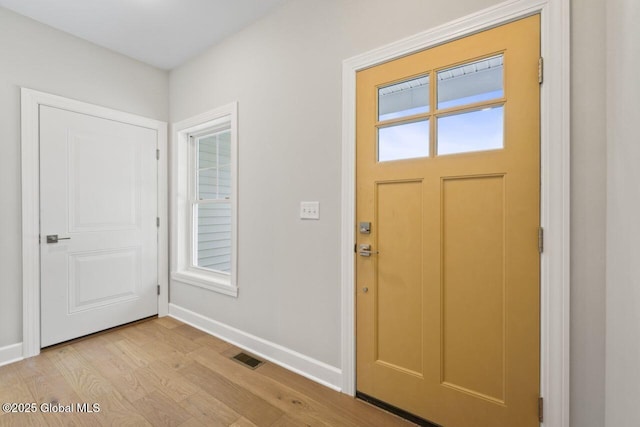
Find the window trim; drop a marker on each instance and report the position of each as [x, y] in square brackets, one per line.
[182, 236]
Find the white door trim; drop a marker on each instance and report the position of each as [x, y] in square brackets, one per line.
[31, 101]
[555, 191]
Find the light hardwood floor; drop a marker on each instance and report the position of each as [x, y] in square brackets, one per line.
[162, 372]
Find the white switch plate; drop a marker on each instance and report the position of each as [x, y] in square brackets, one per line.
[309, 210]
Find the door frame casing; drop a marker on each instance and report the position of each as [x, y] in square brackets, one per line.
[31, 100]
[554, 196]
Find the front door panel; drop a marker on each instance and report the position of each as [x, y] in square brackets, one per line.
[448, 174]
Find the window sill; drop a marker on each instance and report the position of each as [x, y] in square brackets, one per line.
[206, 282]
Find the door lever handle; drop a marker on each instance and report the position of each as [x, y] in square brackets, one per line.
[53, 238]
[365, 250]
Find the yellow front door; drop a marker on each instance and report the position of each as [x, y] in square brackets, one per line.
[448, 213]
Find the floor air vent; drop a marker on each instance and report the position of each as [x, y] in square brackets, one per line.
[248, 361]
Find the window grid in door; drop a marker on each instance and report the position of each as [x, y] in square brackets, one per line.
[468, 116]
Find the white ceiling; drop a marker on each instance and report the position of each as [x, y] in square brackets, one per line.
[163, 33]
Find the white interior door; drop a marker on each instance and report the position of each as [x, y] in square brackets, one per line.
[98, 195]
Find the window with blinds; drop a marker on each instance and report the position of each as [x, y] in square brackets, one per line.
[205, 224]
[211, 203]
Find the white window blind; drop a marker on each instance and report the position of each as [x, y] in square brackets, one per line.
[212, 201]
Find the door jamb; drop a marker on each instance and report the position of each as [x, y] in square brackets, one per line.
[31, 101]
[555, 189]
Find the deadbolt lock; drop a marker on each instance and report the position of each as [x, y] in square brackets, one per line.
[365, 228]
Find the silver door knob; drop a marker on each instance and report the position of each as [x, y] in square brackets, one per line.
[365, 290]
[365, 250]
[53, 238]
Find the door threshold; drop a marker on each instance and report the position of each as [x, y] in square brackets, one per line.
[396, 411]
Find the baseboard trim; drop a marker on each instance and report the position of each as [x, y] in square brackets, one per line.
[11, 353]
[315, 370]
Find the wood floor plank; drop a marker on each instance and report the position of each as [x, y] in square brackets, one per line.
[122, 377]
[160, 410]
[214, 343]
[287, 421]
[54, 390]
[354, 410]
[287, 399]
[163, 372]
[154, 334]
[23, 420]
[194, 422]
[168, 322]
[34, 367]
[13, 389]
[95, 349]
[9, 373]
[79, 373]
[92, 388]
[209, 410]
[158, 376]
[243, 422]
[189, 332]
[176, 361]
[135, 334]
[239, 399]
[152, 348]
[133, 355]
[119, 371]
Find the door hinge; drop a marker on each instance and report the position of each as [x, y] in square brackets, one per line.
[540, 70]
[158, 289]
[355, 248]
[157, 221]
[157, 154]
[540, 239]
[540, 409]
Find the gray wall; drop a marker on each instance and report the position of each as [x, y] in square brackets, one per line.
[623, 214]
[588, 186]
[38, 57]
